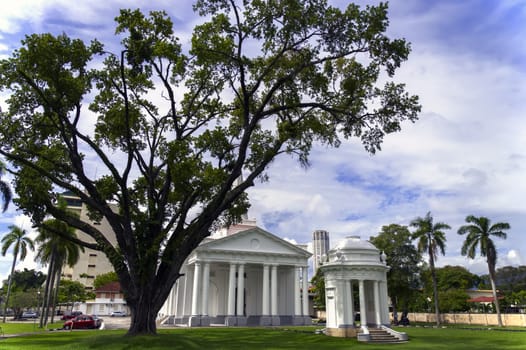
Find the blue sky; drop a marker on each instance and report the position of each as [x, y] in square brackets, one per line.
[466, 154]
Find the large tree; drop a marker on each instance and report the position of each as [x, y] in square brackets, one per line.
[403, 280]
[480, 232]
[431, 240]
[5, 190]
[172, 131]
[21, 243]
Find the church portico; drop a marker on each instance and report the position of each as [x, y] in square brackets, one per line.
[250, 278]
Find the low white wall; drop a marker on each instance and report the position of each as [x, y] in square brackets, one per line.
[470, 318]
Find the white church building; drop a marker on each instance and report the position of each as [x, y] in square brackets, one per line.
[245, 276]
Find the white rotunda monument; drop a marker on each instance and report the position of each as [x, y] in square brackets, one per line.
[356, 265]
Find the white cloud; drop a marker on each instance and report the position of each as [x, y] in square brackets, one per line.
[466, 154]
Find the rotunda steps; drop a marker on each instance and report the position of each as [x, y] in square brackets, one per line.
[378, 335]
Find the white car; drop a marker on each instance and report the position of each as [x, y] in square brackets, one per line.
[118, 314]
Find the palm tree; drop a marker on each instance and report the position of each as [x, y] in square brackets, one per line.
[55, 250]
[5, 190]
[20, 242]
[431, 239]
[480, 230]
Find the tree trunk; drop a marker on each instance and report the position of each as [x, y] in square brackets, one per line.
[55, 296]
[435, 288]
[395, 310]
[9, 284]
[143, 317]
[495, 297]
[45, 296]
[49, 295]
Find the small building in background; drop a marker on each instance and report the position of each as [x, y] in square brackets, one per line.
[109, 298]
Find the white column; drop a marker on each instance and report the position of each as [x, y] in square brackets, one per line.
[363, 308]
[265, 294]
[348, 312]
[377, 303]
[195, 291]
[184, 307]
[232, 290]
[274, 291]
[351, 301]
[240, 290]
[385, 303]
[206, 283]
[305, 294]
[175, 304]
[297, 301]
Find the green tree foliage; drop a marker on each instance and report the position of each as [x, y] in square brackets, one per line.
[509, 279]
[431, 240]
[174, 130]
[454, 300]
[456, 277]
[16, 238]
[403, 280]
[71, 292]
[318, 288]
[105, 278]
[479, 232]
[5, 191]
[453, 282]
[22, 300]
[27, 279]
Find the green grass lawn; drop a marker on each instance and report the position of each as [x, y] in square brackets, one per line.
[264, 338]
[28, 326]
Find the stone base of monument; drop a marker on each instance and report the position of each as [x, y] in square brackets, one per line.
[344, 331]
[265, 321]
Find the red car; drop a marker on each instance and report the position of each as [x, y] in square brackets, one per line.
[83, 322]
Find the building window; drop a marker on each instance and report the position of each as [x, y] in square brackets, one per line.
[92, 265]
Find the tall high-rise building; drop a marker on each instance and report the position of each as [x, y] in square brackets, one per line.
[320, 247]
[91, 262]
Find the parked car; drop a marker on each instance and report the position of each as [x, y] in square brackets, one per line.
[83, 322]
[70, 315]
[29, 314]
[118, 314]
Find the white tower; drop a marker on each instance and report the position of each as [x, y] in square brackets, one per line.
[320, 247]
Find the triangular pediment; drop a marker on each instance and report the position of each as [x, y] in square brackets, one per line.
[254, 240]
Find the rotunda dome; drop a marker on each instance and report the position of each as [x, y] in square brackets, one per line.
[354, 242]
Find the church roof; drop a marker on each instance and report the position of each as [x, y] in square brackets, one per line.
[254, 240]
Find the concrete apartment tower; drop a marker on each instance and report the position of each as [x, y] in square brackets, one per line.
[320, 247]
[91, 262]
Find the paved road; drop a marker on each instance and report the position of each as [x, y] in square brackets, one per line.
[116, 322]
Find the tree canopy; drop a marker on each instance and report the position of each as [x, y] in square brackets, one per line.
[27, 279]
[105, 278]
[403, 279]
[171, 130]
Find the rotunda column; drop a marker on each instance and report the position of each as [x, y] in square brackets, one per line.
[363, 307]
[377, 303]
